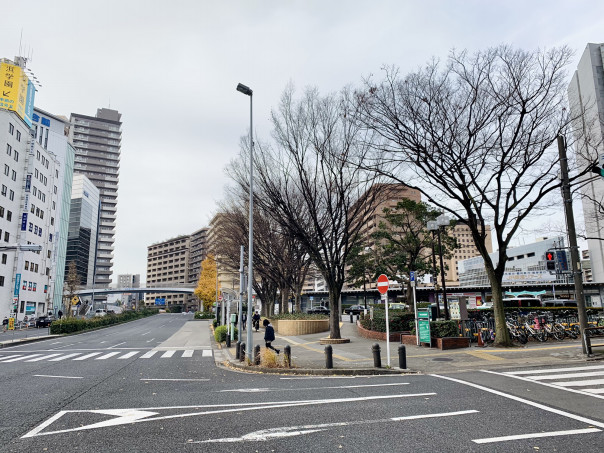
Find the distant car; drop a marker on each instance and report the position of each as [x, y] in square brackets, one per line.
[100, 312]
[559, 303]
[44, 321]
[319, 311]
[354, 309]
[398, 306]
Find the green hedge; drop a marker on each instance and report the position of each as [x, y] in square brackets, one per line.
[299, 316]
[442, 329]
[399, 321]
[204, 315]
[220, 333]
[71, 325]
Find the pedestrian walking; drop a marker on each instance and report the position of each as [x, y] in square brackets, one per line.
[269, 335]
[5, 324]
[256, 321]
[60, 314]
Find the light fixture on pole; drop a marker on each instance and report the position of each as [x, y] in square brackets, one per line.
[433, 227]
[248, 92]
[443, 221]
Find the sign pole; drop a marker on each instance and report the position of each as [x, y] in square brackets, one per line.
[387, 330]
[412, 277]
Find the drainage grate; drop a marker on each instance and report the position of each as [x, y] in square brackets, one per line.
[442, 359]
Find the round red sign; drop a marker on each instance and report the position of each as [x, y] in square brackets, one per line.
[382, 284]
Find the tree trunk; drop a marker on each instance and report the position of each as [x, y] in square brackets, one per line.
[334, 315]
[502, 336]
[283, 306]
[409, 294]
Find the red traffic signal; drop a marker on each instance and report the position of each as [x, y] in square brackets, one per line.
[549, 256]
[550, 261]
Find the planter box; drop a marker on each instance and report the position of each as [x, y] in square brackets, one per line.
[373, 335]
[452, 342]
[295, 327]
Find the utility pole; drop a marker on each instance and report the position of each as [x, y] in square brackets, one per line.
[572, 239]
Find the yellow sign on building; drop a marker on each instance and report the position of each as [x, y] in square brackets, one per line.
[75, 300]
[15, 90]
[11, 323]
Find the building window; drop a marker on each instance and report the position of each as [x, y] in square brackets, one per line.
[1, 280]
[18, 136]
[9, 150]
[16, 156]
[11, 129]
[27, 265]
[13, 175]
[9, 215]
[6, 236]
[1, 212]
[6, 170]
[4, 258]
[4, 190]
[11, 195]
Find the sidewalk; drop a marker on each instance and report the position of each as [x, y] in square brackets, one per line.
[356, 357]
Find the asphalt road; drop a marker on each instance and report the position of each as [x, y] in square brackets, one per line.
[119, 398]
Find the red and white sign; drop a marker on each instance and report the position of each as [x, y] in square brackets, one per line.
[382, 284]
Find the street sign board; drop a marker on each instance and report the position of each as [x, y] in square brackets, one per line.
[382, 284]
[160, 301]
[423, 323]
[11, 323]
[412, 277]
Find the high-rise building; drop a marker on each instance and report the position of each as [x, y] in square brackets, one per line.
[467, 249]
[83, 226]
[129, 281]
[586, 93]
[167, 266]
[97, 141]
[197, 253]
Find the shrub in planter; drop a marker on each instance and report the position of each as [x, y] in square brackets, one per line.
[220, 334]
[204, 315]
[399, 321]
[294, 316]
[442, 329]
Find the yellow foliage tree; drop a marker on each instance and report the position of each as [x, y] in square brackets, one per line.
[206, 286]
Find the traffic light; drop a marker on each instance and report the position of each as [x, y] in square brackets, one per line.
[598, 169]
[550, 262]
[562, 260]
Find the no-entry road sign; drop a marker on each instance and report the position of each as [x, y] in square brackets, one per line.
[382, 284]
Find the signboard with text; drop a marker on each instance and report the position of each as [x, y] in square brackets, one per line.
[423, 324]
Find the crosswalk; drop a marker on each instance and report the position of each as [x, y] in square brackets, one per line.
[101, 355]
[583, 379]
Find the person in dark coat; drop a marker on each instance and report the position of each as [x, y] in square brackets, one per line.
[269, 335]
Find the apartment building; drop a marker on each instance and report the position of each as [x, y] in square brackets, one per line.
[167, 265]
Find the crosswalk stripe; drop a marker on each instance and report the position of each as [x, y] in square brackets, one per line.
[567, 375]
[148, 355]
[206, 353]
[188, 353]
[128, 355]
[16, 359]
[581, 383]
[87, 356]
[556, 370]
[64, 357]
[42, 358]
[3, 359]
[167, 354]
[106, 356]
[595, 391]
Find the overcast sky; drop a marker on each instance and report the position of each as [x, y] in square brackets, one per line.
[171, 68]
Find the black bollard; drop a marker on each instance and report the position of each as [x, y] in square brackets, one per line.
[351, 317]
[328, 357]
[377, 358]
[237, 349]
[257, 354]
[402, 357]
[287, 352]
[242, 352]
[228, 340]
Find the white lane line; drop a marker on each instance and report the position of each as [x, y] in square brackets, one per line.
[556, 370]
[87, 356]
[64, 357]
[567, 376]
[62, 377]
[185, 380]
[206, 353]
[9, 357]
[116, 345]
[56, 342]
[341, 377]
[167, 354]
[524, 401]
[43, 358]
[106, 356]
[581, 383]
[188, 353]
[149, 341]
[245, 390]
[594, 390]
[104, 341]
[148, 355]
[547, 384]
[16, 359]
[143, 334]
[488, 440]
[128, 355]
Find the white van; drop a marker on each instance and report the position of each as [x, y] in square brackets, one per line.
[100, 312]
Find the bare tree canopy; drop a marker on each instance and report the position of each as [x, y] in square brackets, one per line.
[476, 135]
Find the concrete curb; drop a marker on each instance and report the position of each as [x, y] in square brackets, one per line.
[20, 341]
[238, 366]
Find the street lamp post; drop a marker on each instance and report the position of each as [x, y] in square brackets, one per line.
[248, 92]
[433, 227]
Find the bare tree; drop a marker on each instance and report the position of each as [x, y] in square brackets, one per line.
[306, 185]
[477, 137]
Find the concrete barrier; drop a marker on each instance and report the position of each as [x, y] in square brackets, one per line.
[295, 327]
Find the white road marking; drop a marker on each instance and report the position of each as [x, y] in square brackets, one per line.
[556, 370]
[104, 341]
[188, 353]
[16, 359]
[244, 390]
[143, 334]
[62, 377]
[116, 345]
[149, 341]
[567, 376]
[87, 356]
[148, 355]
[489, 440]
[290, 431]
[524, 401]
[185, 380]
[128, 355]
[587, 392]
[594, 390]
[106, 356]
[43, 358]
[206, 353]
[167, 354]
[581, 383]
[64, 357]
[341, 377]
[9, 357]
[218, 409]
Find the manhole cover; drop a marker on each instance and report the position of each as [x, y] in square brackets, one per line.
[442, 359]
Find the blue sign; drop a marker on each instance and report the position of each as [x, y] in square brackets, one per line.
[160, 301]
[562, 260]
[17, 284]
[24, 222]
[412, 276]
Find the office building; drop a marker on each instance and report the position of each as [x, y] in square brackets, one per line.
[83, 228]
[97, 140]
[586, 93]
[197, 253]
[167, 266]
[467, 249]
[130, 299]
